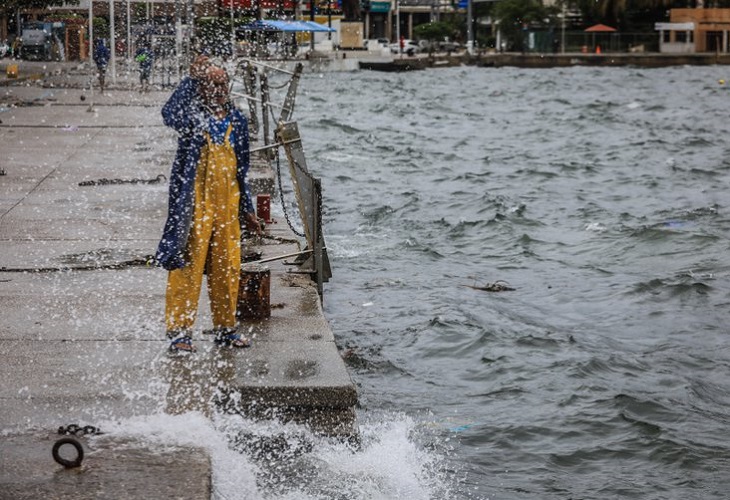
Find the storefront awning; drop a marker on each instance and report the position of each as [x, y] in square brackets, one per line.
[674, 26]
[287, 26]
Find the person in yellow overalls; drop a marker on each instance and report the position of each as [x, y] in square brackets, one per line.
[209, 200]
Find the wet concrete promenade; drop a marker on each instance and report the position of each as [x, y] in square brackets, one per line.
[82, 330]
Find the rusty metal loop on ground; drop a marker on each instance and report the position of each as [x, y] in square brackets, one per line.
[69, 464]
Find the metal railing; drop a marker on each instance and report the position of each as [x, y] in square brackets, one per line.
[308, 190]
[278, 131]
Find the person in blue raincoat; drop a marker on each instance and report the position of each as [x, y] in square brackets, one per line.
[144, 58]
[209, 202]
[101, 59]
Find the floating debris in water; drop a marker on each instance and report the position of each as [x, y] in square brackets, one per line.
[497, 286]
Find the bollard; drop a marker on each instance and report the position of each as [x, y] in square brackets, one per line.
[11, 71]
[254, 293]
[263, 207]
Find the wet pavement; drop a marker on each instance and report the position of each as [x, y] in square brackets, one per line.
[82, 336]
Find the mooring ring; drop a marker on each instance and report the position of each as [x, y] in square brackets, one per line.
[69, 464]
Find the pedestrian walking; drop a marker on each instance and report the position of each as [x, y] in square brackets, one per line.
[16, 47]
[144, 58]
[101, 59]
[208, 190]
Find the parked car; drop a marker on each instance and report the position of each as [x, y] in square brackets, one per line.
[444, 45]
[449, 46]
[410, 47]
[377, 43]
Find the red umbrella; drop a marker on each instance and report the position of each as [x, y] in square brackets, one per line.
[600, 28]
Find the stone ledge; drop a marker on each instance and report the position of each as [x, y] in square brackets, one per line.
[131, 472]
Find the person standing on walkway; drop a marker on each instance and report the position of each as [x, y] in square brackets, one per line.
[16, 47]
[101, 59]
[144, 58]
[208, 191]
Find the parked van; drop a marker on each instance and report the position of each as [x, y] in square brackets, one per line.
[377, 45]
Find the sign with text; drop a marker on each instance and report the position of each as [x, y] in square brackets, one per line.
[253, 4]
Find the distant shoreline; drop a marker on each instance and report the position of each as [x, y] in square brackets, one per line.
[644, 60]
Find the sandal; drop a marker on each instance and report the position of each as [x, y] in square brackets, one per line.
[229, 338]
[182, 344]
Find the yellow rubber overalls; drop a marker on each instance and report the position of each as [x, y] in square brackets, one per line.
[213, 243]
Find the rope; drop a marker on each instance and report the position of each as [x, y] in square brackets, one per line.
[281, 196]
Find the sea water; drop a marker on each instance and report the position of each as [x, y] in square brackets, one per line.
[600, 196]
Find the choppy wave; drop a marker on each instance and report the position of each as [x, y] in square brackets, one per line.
[600, 195]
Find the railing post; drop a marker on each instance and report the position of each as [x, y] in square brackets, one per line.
[249, 83]
[264, 81]
[317, 236]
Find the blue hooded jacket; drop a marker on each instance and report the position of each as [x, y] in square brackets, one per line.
[185, 113]
[101, 53]
[144, 57]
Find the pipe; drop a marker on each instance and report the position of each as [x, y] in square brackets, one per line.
[279, 257]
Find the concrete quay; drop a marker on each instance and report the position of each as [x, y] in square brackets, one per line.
[640, 60]
[82, 336]
[78, 74]
[530, 60]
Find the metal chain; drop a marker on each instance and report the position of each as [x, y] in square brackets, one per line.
[106, 182]
[285, 84]
[281, 196]
[77, 430]
[147, 261]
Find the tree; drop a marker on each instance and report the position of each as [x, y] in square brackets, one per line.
[632, 15]
[14, 5]
[9, 8]
[434, 31]
[515, 16]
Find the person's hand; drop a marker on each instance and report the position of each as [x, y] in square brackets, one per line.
[199, 67]
[252, 224]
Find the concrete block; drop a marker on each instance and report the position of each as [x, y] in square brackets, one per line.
[110, 471]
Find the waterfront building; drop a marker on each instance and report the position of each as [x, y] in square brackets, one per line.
[695, 30]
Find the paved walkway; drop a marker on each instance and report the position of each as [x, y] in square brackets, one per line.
[86, 344]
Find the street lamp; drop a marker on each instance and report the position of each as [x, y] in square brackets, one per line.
[469, 29]
[233, 30]
[91, 55]
[397, 27]
[91, 30]
[112, 36]
[562, 31]
[129, 34]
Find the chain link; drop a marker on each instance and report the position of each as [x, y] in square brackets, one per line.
[281, 196]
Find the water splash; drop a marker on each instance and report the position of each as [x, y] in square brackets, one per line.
[271, 460]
